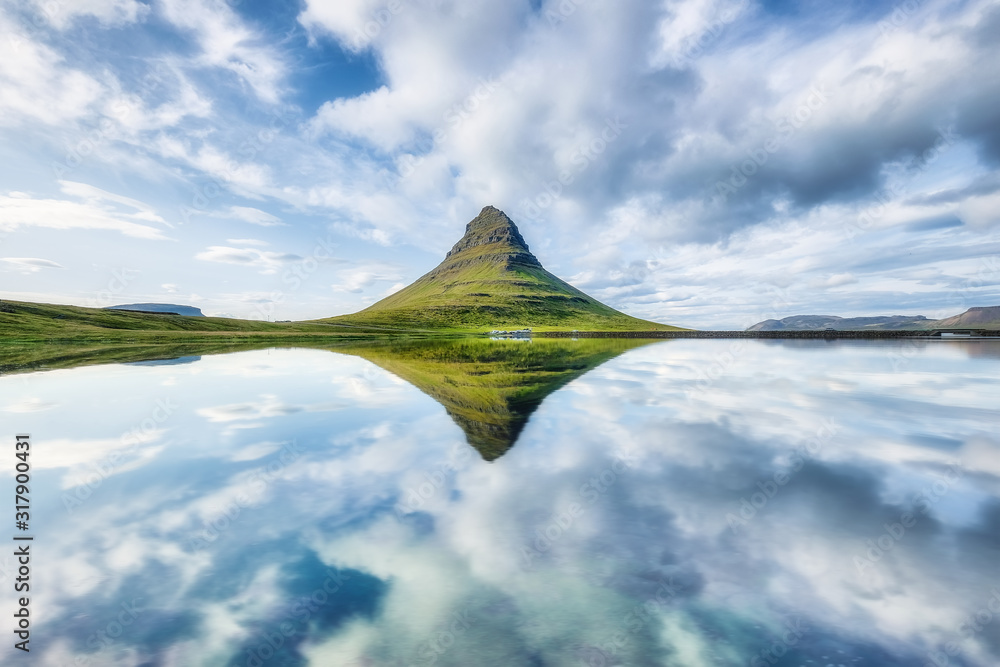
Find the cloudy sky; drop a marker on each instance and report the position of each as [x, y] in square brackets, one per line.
[705, 163]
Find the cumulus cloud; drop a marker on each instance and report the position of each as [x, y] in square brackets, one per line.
[680, 123]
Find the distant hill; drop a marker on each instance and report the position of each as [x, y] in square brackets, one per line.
[981, 318]
[987, 318]
[189, 311]
[490, 280]
[820, 322]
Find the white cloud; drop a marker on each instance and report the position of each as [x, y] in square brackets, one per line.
[227, 43]
[96, 196]
[981, 212]
[839, 280]
[246, 178]
[359, 278]
[82, 455]
[267, 262]
[30, 264]
[252, 215]
[253, 242]
[267, 407]
[393, 289]
[96, 212]
[108, 12]
[39, 86]
[29, 405]
[346, 19]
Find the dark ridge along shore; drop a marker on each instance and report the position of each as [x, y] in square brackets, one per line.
[893, 333]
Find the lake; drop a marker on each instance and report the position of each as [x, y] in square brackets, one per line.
[536, 503]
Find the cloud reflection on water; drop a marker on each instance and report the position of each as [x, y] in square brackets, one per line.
[230, 537]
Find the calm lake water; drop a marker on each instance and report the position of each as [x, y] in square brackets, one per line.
[546, 503]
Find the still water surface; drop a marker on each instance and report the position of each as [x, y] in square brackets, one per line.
[547, 503]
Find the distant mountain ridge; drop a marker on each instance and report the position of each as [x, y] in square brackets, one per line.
[169, 308]
[980, 317]
[491, 280]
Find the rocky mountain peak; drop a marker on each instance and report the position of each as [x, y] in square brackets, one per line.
[491, 226]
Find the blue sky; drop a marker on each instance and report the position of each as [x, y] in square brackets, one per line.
[709, 164]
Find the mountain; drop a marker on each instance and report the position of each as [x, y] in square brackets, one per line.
[978, 318]
[490, 279]
[170, 308]
[490, 388]
[985, 318]
[820, 322]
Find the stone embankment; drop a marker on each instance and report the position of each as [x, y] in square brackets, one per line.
[750, 334]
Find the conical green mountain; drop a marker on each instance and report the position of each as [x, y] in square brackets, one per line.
[490, 388]
[491, 280]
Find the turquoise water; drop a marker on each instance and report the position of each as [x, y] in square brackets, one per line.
[692, 502]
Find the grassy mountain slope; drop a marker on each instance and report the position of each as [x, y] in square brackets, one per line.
[490, 280]
[981, 317]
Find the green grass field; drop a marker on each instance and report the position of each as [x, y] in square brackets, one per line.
[23, 322]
